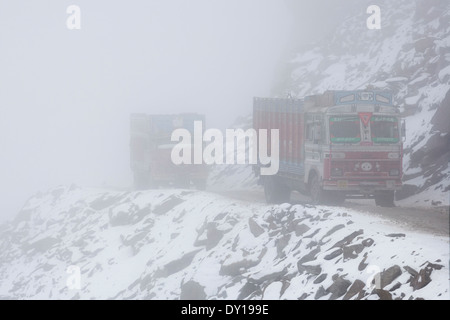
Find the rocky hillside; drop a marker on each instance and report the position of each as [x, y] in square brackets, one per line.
[183, 244]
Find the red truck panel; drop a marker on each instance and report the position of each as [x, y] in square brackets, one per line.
[286, 115]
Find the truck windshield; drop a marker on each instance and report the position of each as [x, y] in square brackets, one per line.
[384, 129]
[345, 129]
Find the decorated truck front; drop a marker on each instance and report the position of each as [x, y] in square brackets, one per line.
[363, 132]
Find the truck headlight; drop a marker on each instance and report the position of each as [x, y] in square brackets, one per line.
[394, 172]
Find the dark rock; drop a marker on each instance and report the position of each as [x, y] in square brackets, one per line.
[145, 282]
[422, 279]
[411, 271]
[333, 230]
[338, 288]
[435, 266]
[396, 235]
[368, 242]
[395, 287]
[440, 118]
[168, 205]
[281, 243]
[134, 239]
[321, 292]
[312, 234]
[355, 288]
[104, 202]
[255, 228]
[309, 257]
[221, 216]
[320, 278]
[192, 290]
[237, 268]
[351, 252]
[213, 236]
[348, 239]
[300, 229]
[176, 265]
[121, 218]
[314, 270]
[333, 255]
[311, 245]
[303, 296]
[361, 295]
[389, 275]
[248, 289]
[43, 244]
[424, 43]
[272, 277]
[383, 294]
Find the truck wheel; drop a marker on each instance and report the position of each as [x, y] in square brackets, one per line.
[276, 192]
[316, 191]
[385, 199]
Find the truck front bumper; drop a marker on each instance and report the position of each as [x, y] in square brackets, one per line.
[362, 186]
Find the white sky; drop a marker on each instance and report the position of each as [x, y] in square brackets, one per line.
[66, 95]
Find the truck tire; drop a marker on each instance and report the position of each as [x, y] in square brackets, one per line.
[276, 192]
[385, 199]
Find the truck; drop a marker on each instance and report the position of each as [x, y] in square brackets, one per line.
[151, 148]
[334, 146]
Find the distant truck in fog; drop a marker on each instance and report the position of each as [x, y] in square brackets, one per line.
[333, 146]
[150, 152]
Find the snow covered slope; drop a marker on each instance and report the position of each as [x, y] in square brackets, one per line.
[183, 244]
[409, 55]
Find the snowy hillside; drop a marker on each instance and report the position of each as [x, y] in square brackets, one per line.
[175, 244]
[409, 55]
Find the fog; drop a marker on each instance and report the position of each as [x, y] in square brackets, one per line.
[66, 95]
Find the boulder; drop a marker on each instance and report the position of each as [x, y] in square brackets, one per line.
[338, 288]
[192, 290]
[355, 289]
[255, 228]
[389, 275]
